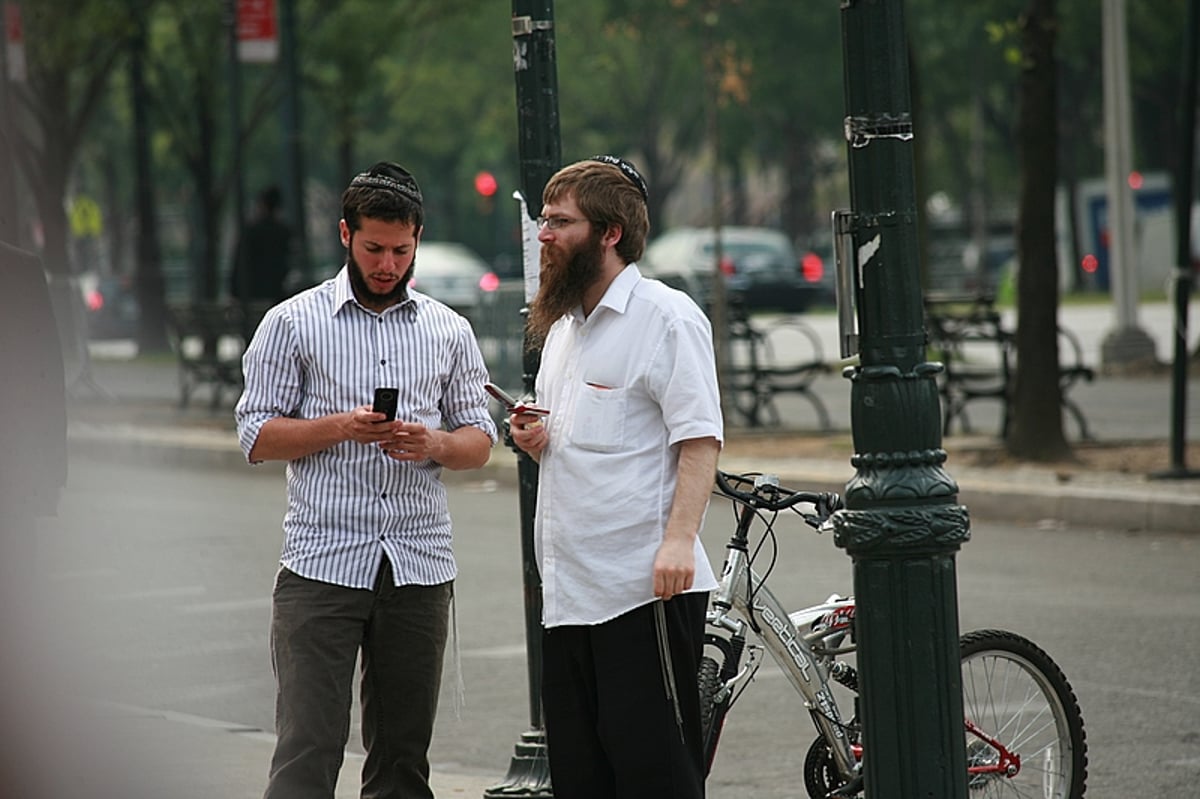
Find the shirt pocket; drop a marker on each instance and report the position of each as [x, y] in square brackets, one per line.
[600, 419]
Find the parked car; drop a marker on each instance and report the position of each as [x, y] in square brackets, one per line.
[761, 268]
[454, 274]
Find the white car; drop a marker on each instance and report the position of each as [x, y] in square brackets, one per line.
[454, 274]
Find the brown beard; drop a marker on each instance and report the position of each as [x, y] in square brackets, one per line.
[563, 280]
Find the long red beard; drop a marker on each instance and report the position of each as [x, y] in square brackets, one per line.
[563, 280]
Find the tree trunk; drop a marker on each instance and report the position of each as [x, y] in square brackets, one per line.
[1036, 431]
[148, 275]
[798, 214]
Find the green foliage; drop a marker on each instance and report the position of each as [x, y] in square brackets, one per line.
[430, 83]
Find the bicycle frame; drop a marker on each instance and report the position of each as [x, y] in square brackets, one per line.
[810, 672]
[1040, 738]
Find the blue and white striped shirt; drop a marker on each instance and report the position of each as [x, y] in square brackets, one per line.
[319, 353]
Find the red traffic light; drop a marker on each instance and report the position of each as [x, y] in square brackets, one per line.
[485, 184]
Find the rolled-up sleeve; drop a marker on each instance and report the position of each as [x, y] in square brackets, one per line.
[272, 376]
[465, 403]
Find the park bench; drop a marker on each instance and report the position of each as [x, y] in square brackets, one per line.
[208, 339]
[781, 357]
[978, 354]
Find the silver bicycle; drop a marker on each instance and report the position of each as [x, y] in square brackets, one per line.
[1023, 726]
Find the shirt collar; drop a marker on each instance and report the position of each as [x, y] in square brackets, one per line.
[617, 295]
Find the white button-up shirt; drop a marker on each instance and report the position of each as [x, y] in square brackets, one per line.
[321, 352]
[624, 387]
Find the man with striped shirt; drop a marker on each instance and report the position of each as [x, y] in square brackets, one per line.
[367, 562]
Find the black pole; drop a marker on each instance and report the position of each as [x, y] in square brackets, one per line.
[541, 156]
[293, 140]
[235, 147]
[1183, 185]
[10, 227]
[902, 525]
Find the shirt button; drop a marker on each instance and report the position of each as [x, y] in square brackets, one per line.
[383, 496]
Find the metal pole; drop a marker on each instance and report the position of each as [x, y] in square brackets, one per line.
[1127, 343]
[718, 310]
[541, 156]
[235, 145]
[10, 227]
[903, 522]
[1182, 285]
[294, 140]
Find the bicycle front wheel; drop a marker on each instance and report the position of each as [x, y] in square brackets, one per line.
[1022, 705]
[712, 712]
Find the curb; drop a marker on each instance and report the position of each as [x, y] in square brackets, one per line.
[1029, 497]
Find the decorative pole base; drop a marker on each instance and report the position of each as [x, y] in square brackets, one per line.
[528, 773]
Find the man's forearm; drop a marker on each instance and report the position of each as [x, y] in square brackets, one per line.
[697, 470]
[285, 439]
[464, 448]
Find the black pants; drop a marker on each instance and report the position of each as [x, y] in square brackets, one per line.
[317, 630]
[611, 731]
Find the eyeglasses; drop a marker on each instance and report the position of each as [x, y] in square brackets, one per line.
[555, 222]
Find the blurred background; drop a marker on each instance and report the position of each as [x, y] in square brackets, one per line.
[143, 132]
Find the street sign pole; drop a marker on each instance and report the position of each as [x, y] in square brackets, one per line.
[10, 227]
[902, 523]
[540, 152]
[235, 145]
[1181, 285]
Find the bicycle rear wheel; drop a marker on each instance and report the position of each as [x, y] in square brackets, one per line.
[1019, 697]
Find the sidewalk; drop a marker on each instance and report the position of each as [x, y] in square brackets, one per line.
[122, 752]
[130, 406]
[191, 757]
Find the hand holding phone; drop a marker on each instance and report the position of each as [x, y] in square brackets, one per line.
[386, 400]
[511, 403]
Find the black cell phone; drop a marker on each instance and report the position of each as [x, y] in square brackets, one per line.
[385, 402]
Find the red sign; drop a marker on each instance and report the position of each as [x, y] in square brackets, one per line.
[257, 31]
[12, 23]
[14, 40]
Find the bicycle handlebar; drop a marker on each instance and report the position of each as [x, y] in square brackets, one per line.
[768, 495]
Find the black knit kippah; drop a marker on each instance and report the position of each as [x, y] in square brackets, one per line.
[628, 170]
[405, 184]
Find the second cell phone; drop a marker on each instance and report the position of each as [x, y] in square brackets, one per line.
[510, 403]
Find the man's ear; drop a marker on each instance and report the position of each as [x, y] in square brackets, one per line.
[612, 235]
[344, 233]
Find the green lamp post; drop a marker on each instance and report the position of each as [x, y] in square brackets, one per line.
[902, 524]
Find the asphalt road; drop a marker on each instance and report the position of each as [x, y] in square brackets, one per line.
[156, 587]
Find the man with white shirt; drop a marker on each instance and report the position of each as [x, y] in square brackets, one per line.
[367, 564]
[627, 459]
